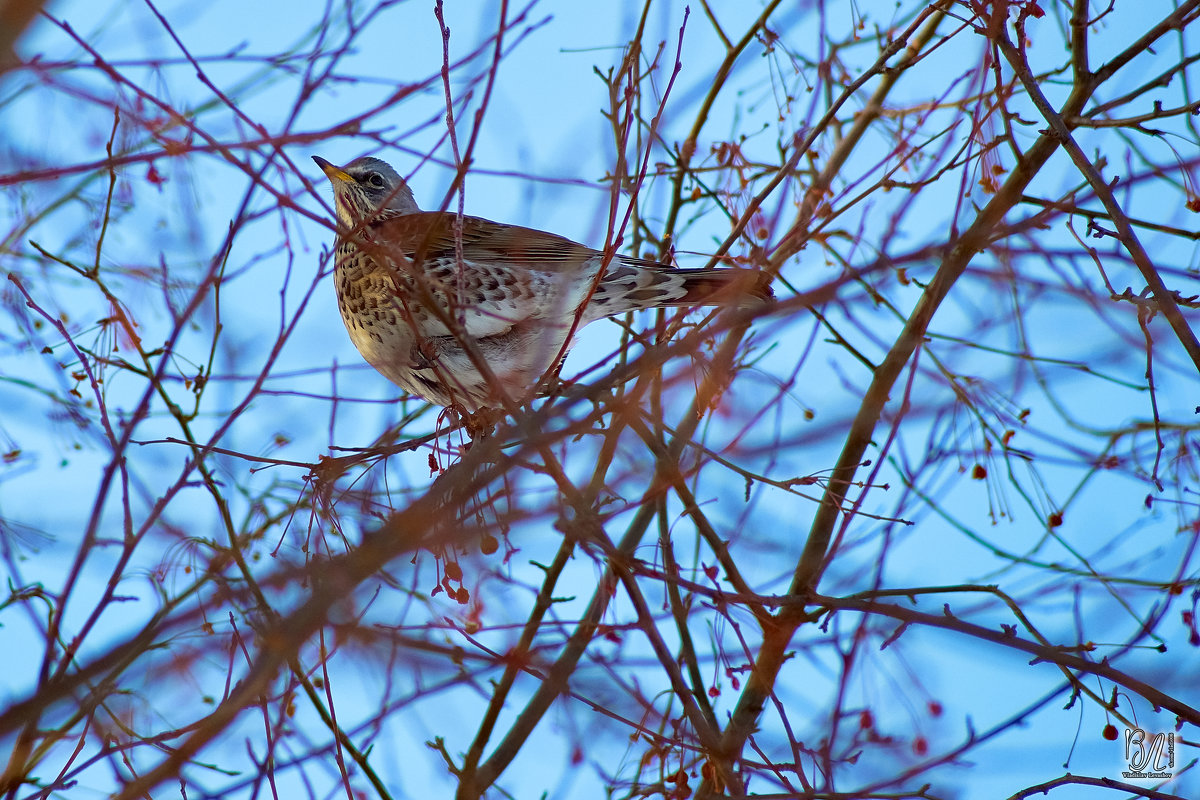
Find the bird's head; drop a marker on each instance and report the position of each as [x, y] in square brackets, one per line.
[364, 187]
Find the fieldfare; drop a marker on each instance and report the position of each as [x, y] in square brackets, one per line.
[426, 303]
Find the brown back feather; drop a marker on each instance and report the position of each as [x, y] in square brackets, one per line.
[431, 233]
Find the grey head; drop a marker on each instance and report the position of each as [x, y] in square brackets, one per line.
[365, 186]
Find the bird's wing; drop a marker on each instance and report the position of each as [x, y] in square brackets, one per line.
[431, 234]
[509, 275]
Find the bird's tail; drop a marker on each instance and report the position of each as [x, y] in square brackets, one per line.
[634, 285]
[637, 285]
[741, 287]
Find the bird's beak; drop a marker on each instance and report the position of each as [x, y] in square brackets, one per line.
[335, 174]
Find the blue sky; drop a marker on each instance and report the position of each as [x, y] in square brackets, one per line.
[542, 155]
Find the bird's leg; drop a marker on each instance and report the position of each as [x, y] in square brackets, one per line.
[424, 353]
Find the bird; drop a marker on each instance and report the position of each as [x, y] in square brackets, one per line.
[473, 314]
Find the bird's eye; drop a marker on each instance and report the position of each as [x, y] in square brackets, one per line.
[376, 180]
